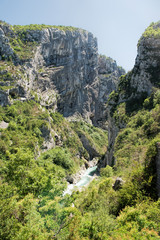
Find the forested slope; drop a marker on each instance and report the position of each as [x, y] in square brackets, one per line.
[40, 149]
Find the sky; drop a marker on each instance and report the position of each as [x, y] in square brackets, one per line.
[117, 24]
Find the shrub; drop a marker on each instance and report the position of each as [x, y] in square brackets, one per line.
[156, 99]
[59, 156]
[107, 171]
[152, 31]
[57, 118]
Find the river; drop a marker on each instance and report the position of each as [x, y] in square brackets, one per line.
[85, 179]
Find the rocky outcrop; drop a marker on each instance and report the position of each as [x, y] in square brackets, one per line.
[113, 130]
[91, 149]
[64, 72]
[47, 133]
[146, 72]
[80, 78]
[3, 124]
[118, 184]
[5, 49]
[73, 57]
[108, 74]
[136, 85]
[4, 98]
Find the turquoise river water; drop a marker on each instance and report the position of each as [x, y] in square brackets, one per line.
[86, 178]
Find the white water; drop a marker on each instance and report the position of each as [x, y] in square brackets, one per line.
[86, 178]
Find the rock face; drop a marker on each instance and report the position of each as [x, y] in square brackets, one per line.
[146, 72]
[108, 73]
[72, 56]
[118, 184]
[90, 148]
[112, 134]
[5, 49]
[3, 125]
[4, 98]
[137, 84]
[64, 73]
[81, 80]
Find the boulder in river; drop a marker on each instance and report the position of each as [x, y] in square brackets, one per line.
[70, 179]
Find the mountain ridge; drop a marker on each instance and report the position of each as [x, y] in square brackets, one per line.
[64, 62]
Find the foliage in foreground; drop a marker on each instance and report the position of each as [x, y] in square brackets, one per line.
[34, 178]
[133, 211]
[31, 201]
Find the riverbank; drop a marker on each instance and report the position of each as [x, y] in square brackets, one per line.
[83, 177]
[78, 175]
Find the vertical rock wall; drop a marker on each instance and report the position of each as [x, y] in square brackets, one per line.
[65, 73]
[139, 83]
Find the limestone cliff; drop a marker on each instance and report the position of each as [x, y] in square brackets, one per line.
[136, 85]
[59, 67]
[146, 72]
[108, 74]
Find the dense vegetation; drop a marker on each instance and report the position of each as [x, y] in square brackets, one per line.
[32, 177]
[40, 149]
[9, 75]
[133, 211]
[33, 27]
[33, 180]
[152, 31]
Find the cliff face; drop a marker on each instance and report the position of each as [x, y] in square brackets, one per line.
[70, 60]
[108, 74]
[136, 85]
[63, 71]
[146, 73]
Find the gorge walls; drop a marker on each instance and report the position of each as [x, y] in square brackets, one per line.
[64, 72]
[137, 90]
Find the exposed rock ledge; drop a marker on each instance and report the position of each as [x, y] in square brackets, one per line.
[64, 73]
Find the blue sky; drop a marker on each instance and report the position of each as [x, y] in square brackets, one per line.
[117, 24]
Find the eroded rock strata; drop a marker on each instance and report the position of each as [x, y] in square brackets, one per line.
[136, 85]
[64, 71]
